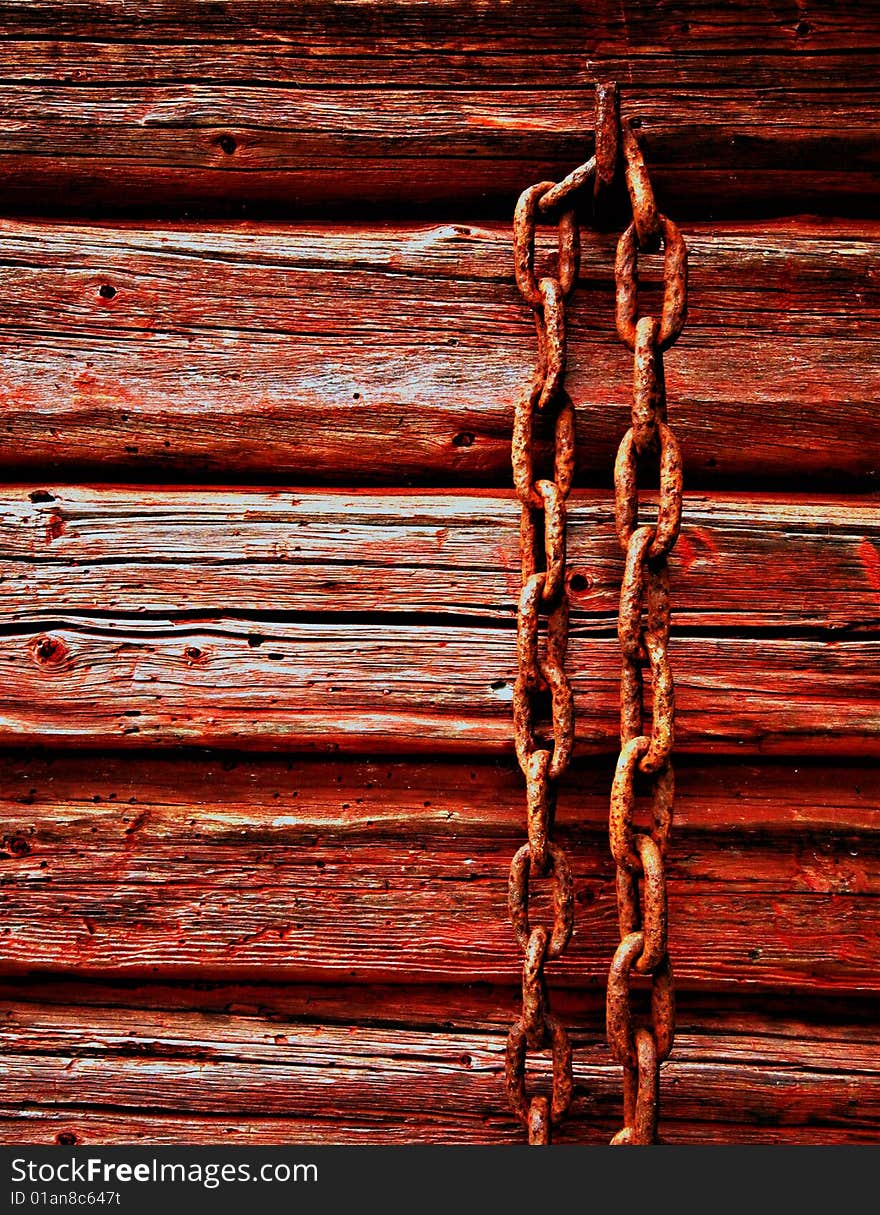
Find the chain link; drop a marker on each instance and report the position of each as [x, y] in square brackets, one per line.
[643, 630]
[645, 763]
[544, 592]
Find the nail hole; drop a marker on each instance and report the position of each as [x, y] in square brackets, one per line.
[635, 123]
[803, 28]
[579, 582]
[193, 652]
[464, 439]
[67, 1138]
[41, 495]
[106, 292]
[228, 144]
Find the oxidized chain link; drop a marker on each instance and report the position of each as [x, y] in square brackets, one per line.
[645, 591]
[643, 630]
[544, 591]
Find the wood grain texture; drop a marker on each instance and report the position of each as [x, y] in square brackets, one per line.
[34, 1124]
[761, 799]
[125, 622]
[159, 1076]
[288, 871]
[746, 563]
[396, 354]
[451, 104]
[200, 946]
[404, 688]
[264, 619]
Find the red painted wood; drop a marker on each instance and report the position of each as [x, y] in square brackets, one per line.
[323, 42]
[122, 633]
[444, 105]
[406, 688]
[369, 1084]
[45, 1125]
[389, 354]
[262, 948]
[277, 871]
[741, 563]
[762, 800]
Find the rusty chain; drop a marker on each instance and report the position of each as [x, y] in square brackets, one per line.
[644, 593]
[643, 630]
[545, 593]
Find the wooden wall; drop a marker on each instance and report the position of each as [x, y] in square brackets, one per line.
[259, 349]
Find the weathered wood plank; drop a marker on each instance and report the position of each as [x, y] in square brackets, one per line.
[384, 355]
[456, 41]
[418, 799]
[400, 1085]
[404, 688]
[28, 1125]
[305, 923]
[315, 103]
[83, 665]
[822, 558]
[741, 562]
[280, 871]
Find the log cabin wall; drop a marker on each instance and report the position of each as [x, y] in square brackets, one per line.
[260, 347]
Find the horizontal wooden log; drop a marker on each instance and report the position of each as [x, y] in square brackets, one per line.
[454, 104]
[364, 1084]
[396, 798]
[280, 871]
[386, 356]
[99, 559]
[83, 666]
[455, 41]
[402, 688]
[747, 563]
[48, 1125]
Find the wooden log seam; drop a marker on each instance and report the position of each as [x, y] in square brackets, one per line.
[844, 1022]
[43, 1124]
